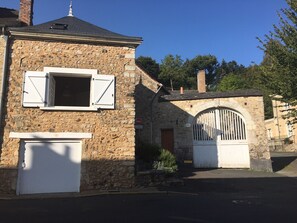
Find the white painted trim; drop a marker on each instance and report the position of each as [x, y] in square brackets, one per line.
[69, 70]
[50, 135]
[68, 108]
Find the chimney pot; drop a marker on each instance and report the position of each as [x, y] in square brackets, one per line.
[26, 12]
[181, 90]
[201, 86]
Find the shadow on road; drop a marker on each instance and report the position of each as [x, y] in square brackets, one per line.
[282, 160]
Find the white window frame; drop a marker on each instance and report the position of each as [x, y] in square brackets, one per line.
[289, 129]
[75, 72]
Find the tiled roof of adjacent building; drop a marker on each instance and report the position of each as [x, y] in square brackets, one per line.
[195, 95]
[72, 26]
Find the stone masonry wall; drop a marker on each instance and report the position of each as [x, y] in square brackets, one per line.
[146, 101]
[107, 158]
[179, 116]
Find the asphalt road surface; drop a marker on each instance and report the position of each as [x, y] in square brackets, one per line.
[206, 196]
[206, 200]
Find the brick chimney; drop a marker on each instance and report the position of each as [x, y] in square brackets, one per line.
[201, 86]
[26, 12]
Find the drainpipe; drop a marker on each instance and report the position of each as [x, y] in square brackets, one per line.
[151, 107]
[277, 120]
[3, 79]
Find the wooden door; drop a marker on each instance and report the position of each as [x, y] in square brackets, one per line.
[167, 139]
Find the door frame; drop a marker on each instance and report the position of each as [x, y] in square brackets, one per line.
[171, 130]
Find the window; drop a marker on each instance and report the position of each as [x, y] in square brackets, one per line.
[289, 129]
[68, 89]
[71, 91]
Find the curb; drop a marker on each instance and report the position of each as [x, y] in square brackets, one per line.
[78, 195]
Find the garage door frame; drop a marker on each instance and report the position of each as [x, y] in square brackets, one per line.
[47, 136]
[58, 172]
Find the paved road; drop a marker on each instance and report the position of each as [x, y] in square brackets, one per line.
[207, 196]
[258, 199]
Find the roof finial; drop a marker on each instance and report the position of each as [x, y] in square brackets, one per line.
[70, 9]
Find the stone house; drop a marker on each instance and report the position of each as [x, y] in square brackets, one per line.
[74, 104]
[281, 131]
[68, 107]
[209, 129]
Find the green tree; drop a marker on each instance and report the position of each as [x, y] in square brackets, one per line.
[247, 78]
[233, 82]
[171, 71]
[225, 68]
[209, 63]
[280, 48]
[149, 65]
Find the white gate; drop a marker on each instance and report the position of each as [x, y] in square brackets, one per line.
[220, 140]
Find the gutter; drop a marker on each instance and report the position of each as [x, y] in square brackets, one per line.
[62, 37]
[3, 78]
[151, 112]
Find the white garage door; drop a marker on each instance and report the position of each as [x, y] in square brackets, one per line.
[49, 167]
[220, 140]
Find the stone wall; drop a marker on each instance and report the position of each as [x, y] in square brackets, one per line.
[179, 116]
[146, 100]
[107, 158]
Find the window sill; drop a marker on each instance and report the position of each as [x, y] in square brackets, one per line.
[68, 108]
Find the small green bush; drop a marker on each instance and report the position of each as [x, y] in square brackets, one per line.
[166, 161]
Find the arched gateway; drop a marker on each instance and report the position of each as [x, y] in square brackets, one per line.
[220, 139]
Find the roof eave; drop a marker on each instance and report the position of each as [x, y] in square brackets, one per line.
[77, 38]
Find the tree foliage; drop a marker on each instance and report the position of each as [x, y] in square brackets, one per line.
[209, 63]
[171, 71]
[149, 65]
[280, 63]
[248, 78]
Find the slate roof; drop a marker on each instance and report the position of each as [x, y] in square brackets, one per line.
[9, 17]
[72, 26]
[194, 95]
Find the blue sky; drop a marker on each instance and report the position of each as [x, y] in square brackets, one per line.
[224, 28]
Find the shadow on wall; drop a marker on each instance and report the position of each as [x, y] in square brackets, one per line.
[157, 117]
[146, 102]
[56, 166]
[48, 167]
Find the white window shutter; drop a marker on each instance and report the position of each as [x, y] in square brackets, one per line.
[103, 93]
[51, 91]
[34, 89]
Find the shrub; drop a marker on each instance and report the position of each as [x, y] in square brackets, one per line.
[166, 161]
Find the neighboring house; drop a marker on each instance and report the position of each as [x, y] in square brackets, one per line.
[280, 129]
[68, 113]
[210, 129]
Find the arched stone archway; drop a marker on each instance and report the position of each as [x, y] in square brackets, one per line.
[232, 104]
